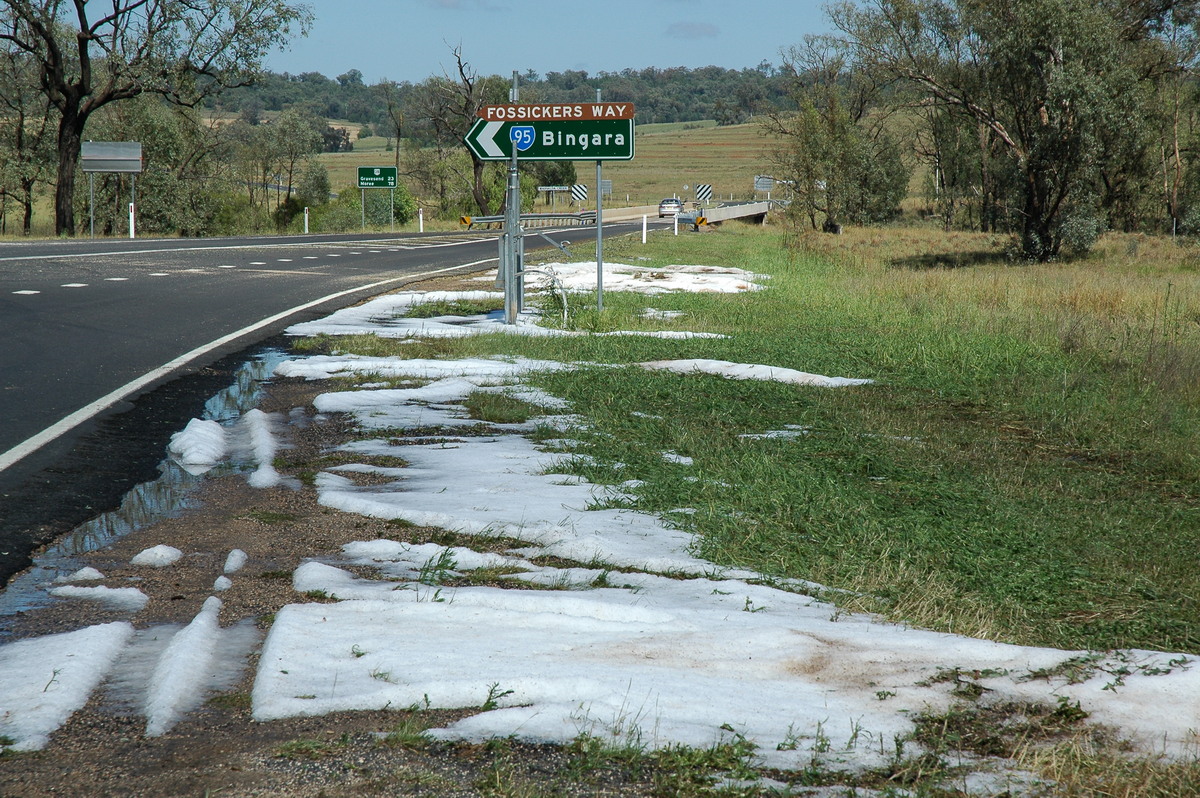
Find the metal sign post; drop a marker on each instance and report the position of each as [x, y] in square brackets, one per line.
[509, 256]
[600, 228]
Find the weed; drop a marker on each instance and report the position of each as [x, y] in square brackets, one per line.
[438, 568]
[455, 307]
[748, 606]
[791, 740]
[239, 701]
[381, 675]
[281, 574]
[996, 730]
[821, 741]
[493, 697]
[683, 770]
[1076, 670]
[310, 749]
[409, 731]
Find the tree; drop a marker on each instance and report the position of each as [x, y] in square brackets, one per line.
[314, 184]
[26, 123]
[450, 105]
[297, 135]
[1044, 79]
[183, 50]
[837, 154]
[392, 94]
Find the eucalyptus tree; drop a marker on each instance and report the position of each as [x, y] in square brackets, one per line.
[446, 107]
[297, 135]
[89, 55]
[26, 132]
[837, 152]
[1045, 80]
[393, 95]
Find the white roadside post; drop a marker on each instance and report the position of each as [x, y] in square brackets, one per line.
[132, 204]
[306, 221]
[645, 224]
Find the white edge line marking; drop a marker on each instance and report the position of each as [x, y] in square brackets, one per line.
[31, 445]
[212, 248]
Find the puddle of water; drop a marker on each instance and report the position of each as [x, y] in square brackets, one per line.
[147, 503]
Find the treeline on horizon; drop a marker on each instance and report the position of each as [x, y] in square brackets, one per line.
[675, 94]
[1048, 120]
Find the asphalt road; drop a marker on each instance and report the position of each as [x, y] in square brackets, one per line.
[91, 329]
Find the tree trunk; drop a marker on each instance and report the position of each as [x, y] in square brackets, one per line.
[1038, 240]
[477, 188]
[27, 206]
[70, 134]
[986, 208]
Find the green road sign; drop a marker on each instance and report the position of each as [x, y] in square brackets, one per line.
[376, 177]
[552, 140]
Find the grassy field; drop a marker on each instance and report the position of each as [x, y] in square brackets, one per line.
[666, 159]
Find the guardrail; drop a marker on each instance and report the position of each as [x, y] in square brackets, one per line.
[584, 217]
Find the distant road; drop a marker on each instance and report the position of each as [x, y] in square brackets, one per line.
[85, 323]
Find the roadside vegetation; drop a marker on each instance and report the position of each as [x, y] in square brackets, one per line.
[1023, 468]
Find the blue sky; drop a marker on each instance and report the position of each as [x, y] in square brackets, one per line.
[412, 39]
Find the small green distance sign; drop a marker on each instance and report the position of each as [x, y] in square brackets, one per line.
[552, 140]
[376, 177]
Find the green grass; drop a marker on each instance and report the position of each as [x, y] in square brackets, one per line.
[312, 750]
[1004, 477]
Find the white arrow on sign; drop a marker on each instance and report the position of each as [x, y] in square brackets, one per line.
[487, 139]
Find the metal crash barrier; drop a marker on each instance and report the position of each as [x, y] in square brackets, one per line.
[582, 218]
